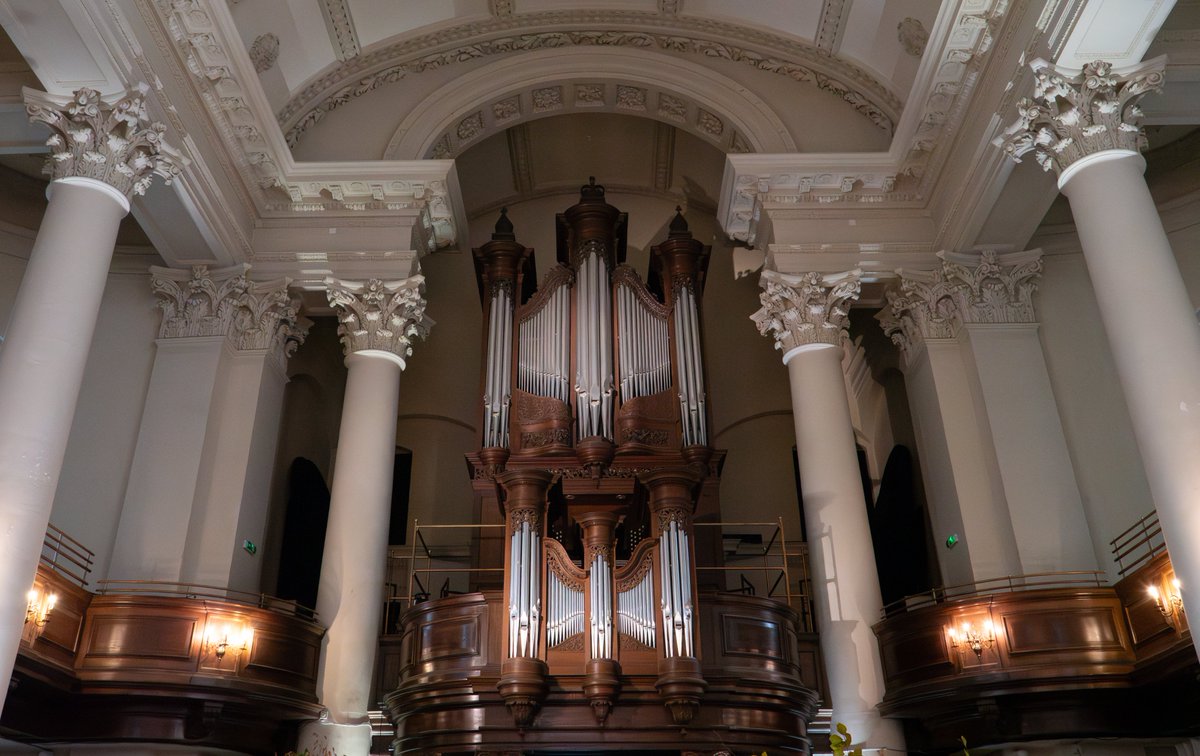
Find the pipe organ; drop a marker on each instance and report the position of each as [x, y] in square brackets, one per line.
[594, 463]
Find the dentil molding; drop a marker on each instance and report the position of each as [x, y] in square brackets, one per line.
[1071, 117]
[808, 309]
[380, 315]
[113, 142]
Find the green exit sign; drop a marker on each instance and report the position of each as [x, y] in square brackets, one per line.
[249, 546]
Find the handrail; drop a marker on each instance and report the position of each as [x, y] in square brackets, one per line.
[1005, 584]
[1138, 542]
[198, 591]
[57, 545]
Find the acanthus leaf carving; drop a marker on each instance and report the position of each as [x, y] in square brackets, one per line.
[254, 316]
[380, 315]
[808, 309]
[1071, 117]
[111, 142]
[995, 290]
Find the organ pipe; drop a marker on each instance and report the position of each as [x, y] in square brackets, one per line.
[635, 612]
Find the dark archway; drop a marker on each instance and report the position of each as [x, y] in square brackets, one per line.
[898, 530]
[304, 525]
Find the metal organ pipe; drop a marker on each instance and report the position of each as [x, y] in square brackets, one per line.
[690, 367]
[593, 316]
[524, 602]
[635, 613]
[542, 360]
[497, 391]
[601, 605]
[676, 591]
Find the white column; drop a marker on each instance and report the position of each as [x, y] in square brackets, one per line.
[1085, 128]
[958, 459]
[995, 299]
[54, 316]
[807, 317]
[379, 321]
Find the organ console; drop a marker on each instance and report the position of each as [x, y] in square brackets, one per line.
[595, 457]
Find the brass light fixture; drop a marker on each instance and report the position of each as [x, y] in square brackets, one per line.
[1170, 604]
[38, 606]
[220, 640]
[967, 636]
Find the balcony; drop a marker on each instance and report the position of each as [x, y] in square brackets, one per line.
[152, 662]
[1042, 656]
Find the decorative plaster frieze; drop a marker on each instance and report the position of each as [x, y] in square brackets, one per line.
[264, 52]
[547, 98]
[223, 302]
[704, 38]
[1071, 117]
[500, 7]
[431, 199]
[752, 191]
[831, 25]
[951, 81]
[202, 45]
[341, 28]
[383, 315]
[808, 309]
[111, 142]
[994, 288]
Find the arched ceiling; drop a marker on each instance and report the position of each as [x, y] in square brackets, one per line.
[730, 72]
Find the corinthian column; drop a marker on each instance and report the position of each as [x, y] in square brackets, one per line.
[378, 323]
[1085, 128]
[807, 316]
[100, 154]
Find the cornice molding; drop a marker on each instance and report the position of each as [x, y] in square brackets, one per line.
[202, 34]
[623, 29]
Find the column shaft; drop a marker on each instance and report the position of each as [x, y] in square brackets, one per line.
[845, 584]
[353, 565]
[1155, 341]
[41, 369]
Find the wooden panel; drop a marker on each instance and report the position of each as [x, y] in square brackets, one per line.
[143, 637]
[751, 636]
[920, 653]
[1061, 630]
[272, 652]
[449, 638]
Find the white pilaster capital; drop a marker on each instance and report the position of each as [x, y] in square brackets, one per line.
[223, 302]
[925, 307]
[994, 288]
[1072, 117]
[813, 308]
[115, 143]
[380, 315]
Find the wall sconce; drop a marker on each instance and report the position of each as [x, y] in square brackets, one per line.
[968, 636]
[38, 605]
[1167, 605]
[219, 641]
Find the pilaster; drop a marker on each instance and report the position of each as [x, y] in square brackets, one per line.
[958, 459]
[200, 473]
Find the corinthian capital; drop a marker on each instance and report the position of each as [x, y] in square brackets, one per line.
[1071, 117]
[375, 314]
[198, 302]
[808, 309]
[223, 302]
[924, 308]
[994, 288]
[110, 142]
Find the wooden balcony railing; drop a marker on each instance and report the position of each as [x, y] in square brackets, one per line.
[1140, 543]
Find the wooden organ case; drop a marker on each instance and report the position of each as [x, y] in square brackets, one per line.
[596, 461]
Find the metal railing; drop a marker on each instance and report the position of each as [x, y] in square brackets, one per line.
[64, 555]
[776, 566]
[1006, 584]
[438, 563]
[198, 591]
[1140, 543]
